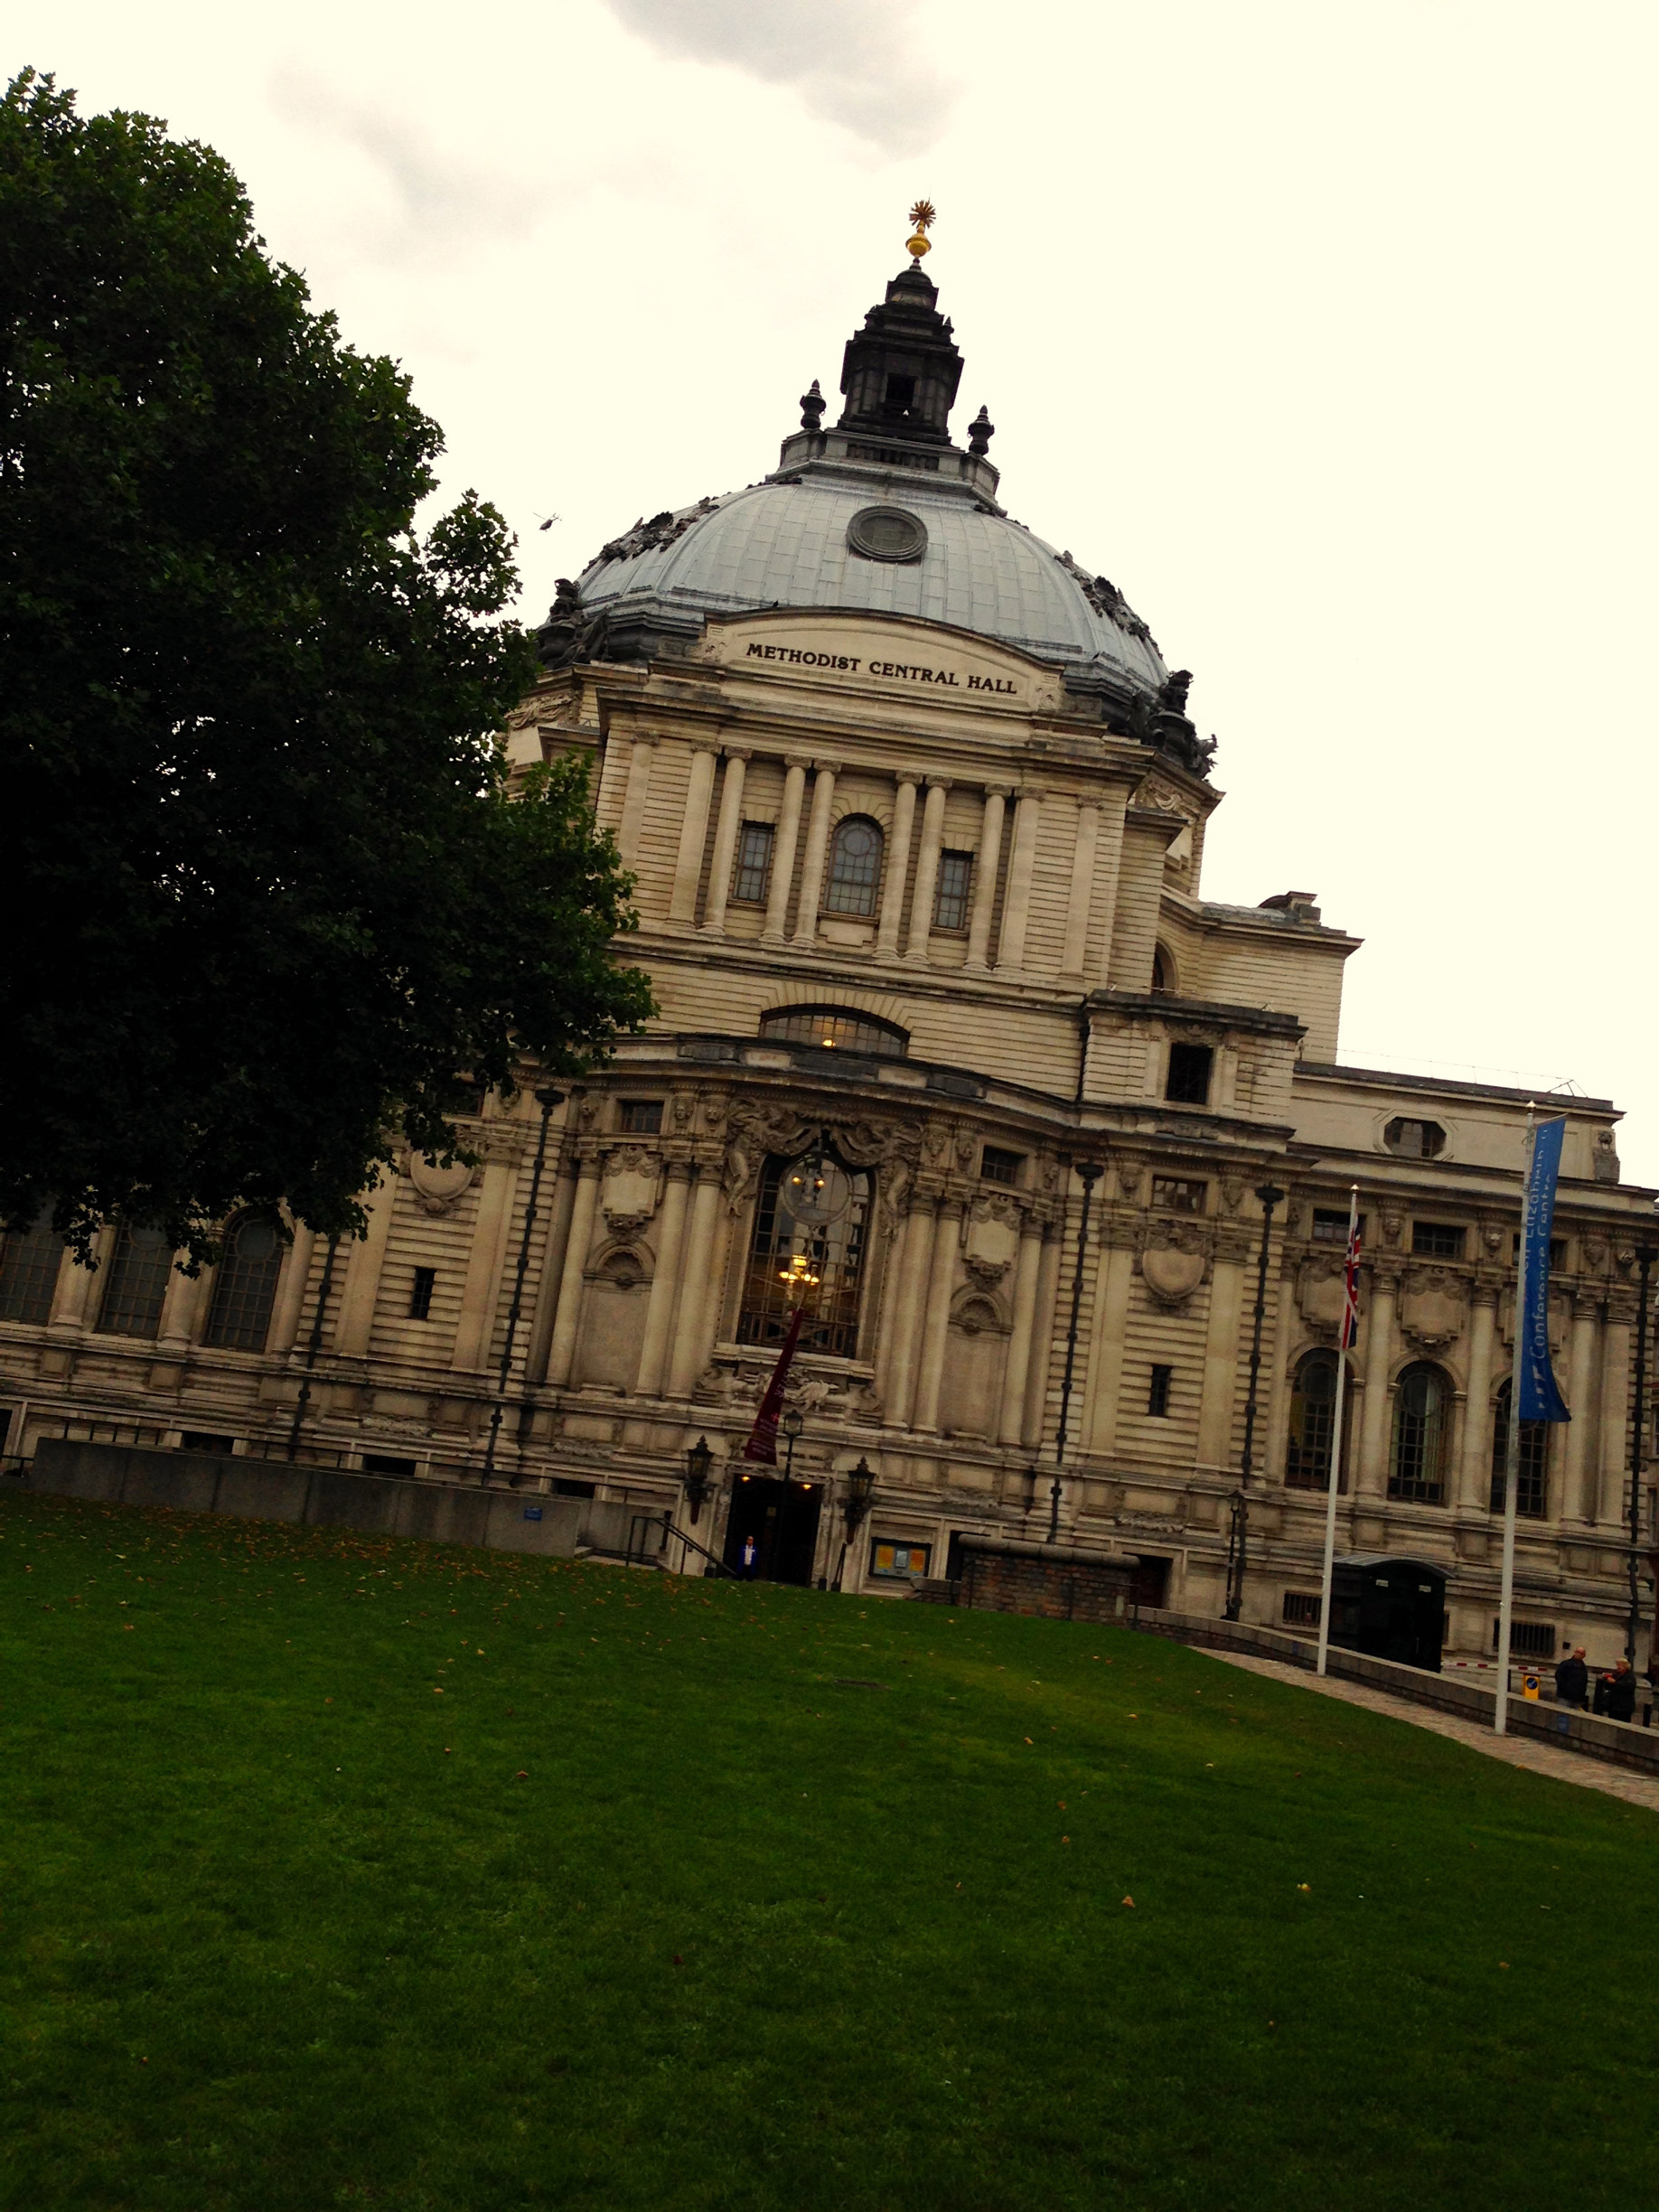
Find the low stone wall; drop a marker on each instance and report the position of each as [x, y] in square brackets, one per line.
[1622, 1743]
[1049, 1581]
[325, 1497]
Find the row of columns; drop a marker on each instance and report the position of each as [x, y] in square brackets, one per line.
[1010, 951]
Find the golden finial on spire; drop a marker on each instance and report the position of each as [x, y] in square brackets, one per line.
[924, 215]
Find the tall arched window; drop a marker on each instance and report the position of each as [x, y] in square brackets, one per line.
[137, 1283]
[1162, 970]
[1532, 1480]
[855, 868]
[29, 1263]
[1422, 1421]
[834, 1253]
[1313, 1425]
[245, 1287]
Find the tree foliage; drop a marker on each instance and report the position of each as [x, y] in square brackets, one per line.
[265, 891]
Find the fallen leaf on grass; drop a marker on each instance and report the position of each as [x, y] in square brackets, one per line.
[1129, 1900]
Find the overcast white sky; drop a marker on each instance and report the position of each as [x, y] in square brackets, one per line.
[1325, 329]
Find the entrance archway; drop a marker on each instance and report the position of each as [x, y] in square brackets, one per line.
[783, 1519]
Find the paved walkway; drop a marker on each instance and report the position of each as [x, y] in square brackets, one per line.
[1519, 1750]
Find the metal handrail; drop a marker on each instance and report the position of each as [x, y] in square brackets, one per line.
[718, 1564]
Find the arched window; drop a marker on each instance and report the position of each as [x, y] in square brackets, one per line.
[1422, 1421]
[833, 1252]
[245, 1287]
[1533, 1479]
[137, 1283]
[29, 1263]
[1162, 970]
[834, 1029]
[855, 868]
[1313, 1425]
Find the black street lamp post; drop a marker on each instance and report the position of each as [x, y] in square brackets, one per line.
[1638, 1439]
[860, 1489]
[547, 1100]
[1238, 1537]
[1088, 1173]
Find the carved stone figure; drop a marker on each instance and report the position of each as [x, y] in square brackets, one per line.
[1606, 1161]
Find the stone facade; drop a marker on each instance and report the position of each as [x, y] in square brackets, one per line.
[1016, 974]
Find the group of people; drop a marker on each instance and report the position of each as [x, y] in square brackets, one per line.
[1615, 1694]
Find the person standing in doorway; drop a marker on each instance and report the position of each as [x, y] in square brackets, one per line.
[1572, 1679]
[750, 1558]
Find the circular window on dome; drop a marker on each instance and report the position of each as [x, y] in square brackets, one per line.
[887, 534]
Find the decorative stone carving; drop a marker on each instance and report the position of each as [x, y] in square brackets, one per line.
[1560, 1319]
[1604, 1160]
[1171, 1274]
[1319, 1293]
[1130, 1174]
[437, 1188]
[974, 1312]
[990, 1238]
[1595, 1252]
[1431, 1311]
[1232, 1192]
[1490, 1239]
[1392, 1223]
[633, 1182]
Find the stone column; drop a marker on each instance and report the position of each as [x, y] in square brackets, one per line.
[726, 831]
[486, 1264]
[1222, 1360]
[897, 869]
[699, 1304]
[1043, 1333]
[1579, 1496]
[817, 846]
[927, 870]
[985, 882]
[914, 1263]
[664, 1281]
[1371, 1476]
[567, 1314]
[693, 835]
[634, 800]
[1615, 1422]
[1017, 1368]
[1022, 862]
[784, 851]
[936, 1329]
[1104, 1384]
[363, 1275]
[184, 1305]
[561, 1205]
[1076, 945]
[1272, 1435]
[290, 1301]
[1475, 1471]
[73, 1296]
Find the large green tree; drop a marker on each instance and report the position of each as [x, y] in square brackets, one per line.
[264, 893]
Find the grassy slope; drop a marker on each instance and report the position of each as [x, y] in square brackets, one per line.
[643, 1911]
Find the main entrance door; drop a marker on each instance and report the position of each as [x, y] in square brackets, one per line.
[783, 1519]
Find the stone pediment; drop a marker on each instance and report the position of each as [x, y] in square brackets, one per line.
[882, 655]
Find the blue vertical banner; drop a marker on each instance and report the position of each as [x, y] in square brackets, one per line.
[1540, 1399]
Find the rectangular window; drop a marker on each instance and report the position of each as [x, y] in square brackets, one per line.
[1189, 1075]
[753, 864]
[1437, 1240]
[998, 1167]
[641, 1116]
[563, 1487]
[892, 1559]
[1330, 1225]
[386, 1462]
[1302, 1608]
[202, 1440]
[420, 1295]
[1178, 1194]
[138, 1284]
[1528, 1639]
[951, 891]
[1157, 1397]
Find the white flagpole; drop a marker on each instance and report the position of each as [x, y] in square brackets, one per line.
[1341, 1377]
[1512, 1455]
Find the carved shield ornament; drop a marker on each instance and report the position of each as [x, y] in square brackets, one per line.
[1172, 1276]
[438, 1188]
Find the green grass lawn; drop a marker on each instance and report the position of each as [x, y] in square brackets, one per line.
[346, 1872]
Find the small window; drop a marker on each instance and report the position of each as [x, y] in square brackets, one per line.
[1302, 1608]
[641, 1116]
[998, 1167]
[855, 868]
[1330, 1225]
[29, 1263]
[1415, 1140]
[950, 892]
[1528, 1639]
[1437, 1240]
[565, 1486]
[899, 397]
[463, 1097]
[889, 1560]
[1189, 1075]
[420, 1294]
[1178, 1194]
[207, 1441]
[1532, 1477]
[386, 1462]
[1163, 972]
[1158, 1396]
[1558, 1252]
[245, 1287]
[138, 1284]
[753, 864]
[833, 1029]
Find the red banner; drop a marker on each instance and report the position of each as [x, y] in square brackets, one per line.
[762, 1444]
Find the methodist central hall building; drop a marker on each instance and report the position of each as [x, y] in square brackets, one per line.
[917, 818]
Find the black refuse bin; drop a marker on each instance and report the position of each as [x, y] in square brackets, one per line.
[1389, 1608]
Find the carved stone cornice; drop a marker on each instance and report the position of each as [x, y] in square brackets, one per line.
[742, 753]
